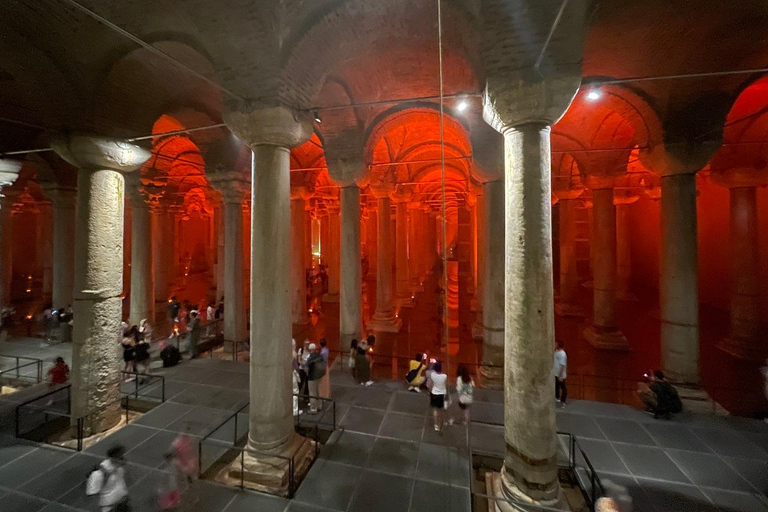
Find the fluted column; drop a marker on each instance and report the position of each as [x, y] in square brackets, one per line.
[384, 318]
[142, 304]
[98, 274]
[493, 289]
[604, 332]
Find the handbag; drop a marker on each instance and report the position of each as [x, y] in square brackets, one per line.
[447, 402]
[413, 373]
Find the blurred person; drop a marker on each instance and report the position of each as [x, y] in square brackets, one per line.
[169, 492]
[193, 334]
[465, 387]
[325, 383]
[352, 355]
[362, 365]
[316, 369]
[108, 481]
[59, 372]
[128, 343]
[560, 371]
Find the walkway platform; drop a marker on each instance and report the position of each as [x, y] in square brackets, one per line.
[385, 456]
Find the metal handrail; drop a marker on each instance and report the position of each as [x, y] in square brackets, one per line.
[150, 377]
[19, 366]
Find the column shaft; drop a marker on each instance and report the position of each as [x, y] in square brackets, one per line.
[298, 261]
[350, 302]
[569, 270]
[334, 227]
[679, 295]
[63, 248]
[234, 311]
[482, 249]
[384, 318]
[623, 254]
[142, 275]
[604, 254]
[402, 280]
[493, 289]
[530, 464]
[271, 414]
[414, 271]
[6, 251]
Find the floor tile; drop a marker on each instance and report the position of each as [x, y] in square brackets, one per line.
[709, 470]
[754, 471]
[487, 439]
[128, 436]
[453, 435]
[490, 413]
[373, 397]
[163, 415]
[250, 502]
[20, 503]
[443, 464]
[24, 469]
[729, 501]
[602, 456]
[367, 421]
[348, 448]
[329, 485]
[729, 444]
[411, 403]
[11, 452]
[392, 456]
[625, 431]
[152, 451]
[62, 478]
[579, 425]
[676, 497]
[430, 497]
[207, 496]
[402, 426]
[640, 500]
[199, 421]
[647, 462]
[672, 435]
[379, 492]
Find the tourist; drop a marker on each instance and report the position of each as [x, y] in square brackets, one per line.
[352, 356]
[415, 376]
[145, 330]
[193, 334]
[209, 314]
[174, 308]
[184, 457]
[141, 355]
[59, 372]
[296, 379]
[219, 314]
[169, 492]
[316, 369]
[438, 395]
[560, 371]
[108, 481]
[660, 397]
[128, 343]
[325, 382]
[362, 365]
[65, 324]
[465, 388]
[49, 319]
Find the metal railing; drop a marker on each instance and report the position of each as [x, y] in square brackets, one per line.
[15, 371]
[49, 415]
[234, 449]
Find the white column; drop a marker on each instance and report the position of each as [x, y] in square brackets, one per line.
[384, 318]
[493, 289]
[350, 303]
[234, 309]
[98, 274]
[142, 275]
[679, 294]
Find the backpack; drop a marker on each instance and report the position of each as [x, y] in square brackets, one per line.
[91, 489]
[170, 356]
[317, 369]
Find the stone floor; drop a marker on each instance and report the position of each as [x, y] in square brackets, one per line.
[386, 456]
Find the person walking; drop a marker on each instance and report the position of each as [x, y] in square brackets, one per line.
[362, 366]
[316, 369]
[174, 308]
[560, 371]
[169, 492]
[325, 383]
[108, 481]
[129, 351]
[437, 395]
[465, 388]
[296, 380]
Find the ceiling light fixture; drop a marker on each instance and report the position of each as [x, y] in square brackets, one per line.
[317, 117]
[462, 105]
[593, 95]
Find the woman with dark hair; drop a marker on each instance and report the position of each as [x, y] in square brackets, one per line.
[438, 390]
[129, 351]
[362, 366]
[352, 356]
[465, 388]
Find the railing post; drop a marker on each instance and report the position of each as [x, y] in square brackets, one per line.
[200, 460]
[242, 469]
[136, 385]
[162, 389]
[334, 415]
[17, 421]
[234, 435]
[17, 367]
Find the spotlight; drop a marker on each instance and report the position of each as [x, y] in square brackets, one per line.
[462, 105]
[593, 95]
[317, 117]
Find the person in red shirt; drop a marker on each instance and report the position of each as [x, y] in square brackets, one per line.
[59, 372]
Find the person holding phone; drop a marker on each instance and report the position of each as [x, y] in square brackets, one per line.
[415, 376]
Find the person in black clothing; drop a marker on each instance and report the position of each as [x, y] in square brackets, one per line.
[174, 308]
[660, 397]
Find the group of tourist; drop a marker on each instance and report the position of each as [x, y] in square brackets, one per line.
[361, 359]
[135, 341]
[311, 378]
[57, 321]
[179, 469]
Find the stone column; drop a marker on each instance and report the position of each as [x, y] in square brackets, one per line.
[270, 133]
[99, 273]
[678, 283]
[493, 288]
[384, 318]
[299, 196]
[162, 228]
[624, 248]
[402, 279]
[604, 332]
[333, 261]
[482, 249]
[569, 271]
[6, 250]
[142, 275]
[45, 247]
[64, 200]
[414, 255]
[743, 340]
[350, 302]
[233, 194]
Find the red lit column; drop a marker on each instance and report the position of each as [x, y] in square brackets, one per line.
[142, 305]
[623, 247]
[384, 318]
[414, 265]
[569, 271]
[482, 249]
[403, 298]
[299, 196]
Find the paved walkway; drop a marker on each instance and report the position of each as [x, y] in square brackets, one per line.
[386, 457]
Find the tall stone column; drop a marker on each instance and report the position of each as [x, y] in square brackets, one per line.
[623, 247]
[99, 273]
[384, 318]
[482, 250]
[64, 200]
[6, 252]
[233, 191]
[270, 133]
[604, 332]
[162, 228]
[402, 279]
[299, 196]
[350, 302]
[569, 271]
[493, 289]
[414, 255]
[333, 259]
[142, 274]
[45, 248]
[679, 292]
[744, 340]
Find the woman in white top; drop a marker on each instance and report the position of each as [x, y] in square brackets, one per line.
[437, 394]
[466, 390]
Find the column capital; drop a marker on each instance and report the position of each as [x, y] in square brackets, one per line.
[667, 159]
[90, 152]
[381, 190]
[625, 196]
[272, 126]
[740, 177]
[301, 192]
[232, 187]
[9, 171]
[401, 193]
[568, 194]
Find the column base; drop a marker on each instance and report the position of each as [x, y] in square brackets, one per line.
[269, 473]
[405, 302]
[498, 486]
[696, 400]
[384, 322]
[477, 331]
[492, 365]
[569, 310]
[602, 339]
[331, 297]
[743, 348]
